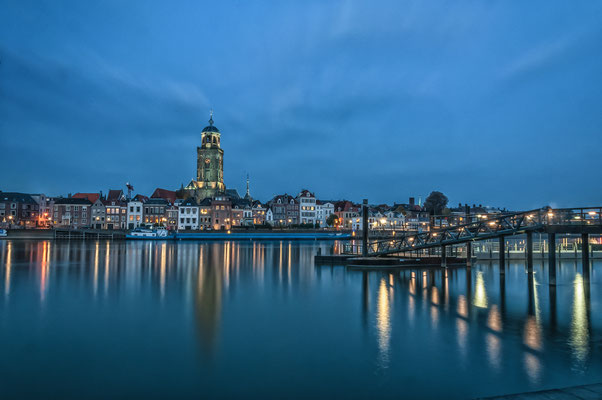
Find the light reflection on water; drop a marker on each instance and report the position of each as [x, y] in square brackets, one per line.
[262, 309]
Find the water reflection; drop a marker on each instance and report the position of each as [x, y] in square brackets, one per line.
[383, 323]
[408, 319]
[580, 339]
[480, 296]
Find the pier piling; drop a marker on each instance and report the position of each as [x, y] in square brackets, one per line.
[365, 228]
[585, 254]
[502, 254]
[552, 257]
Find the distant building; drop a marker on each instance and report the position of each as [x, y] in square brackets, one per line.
[323, 211]
[171, 213]
[134, 213]
[115, 212]
[285, 210]
[205, 216]
[72, 213]
[99, 213]
[307, 207]
[188, 215]
[346, 211]
[210, 166]
[259, 213]
[221, 212]
[154, 211]
[44, 209]
[18, 209]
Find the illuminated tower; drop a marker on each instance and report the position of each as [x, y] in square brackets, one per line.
[210, 164]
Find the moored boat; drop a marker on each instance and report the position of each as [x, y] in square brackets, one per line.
[3, 233]
[149, 233]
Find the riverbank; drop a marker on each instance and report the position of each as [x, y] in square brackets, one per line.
[255, 234]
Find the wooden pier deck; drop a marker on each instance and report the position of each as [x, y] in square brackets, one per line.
[583, 392]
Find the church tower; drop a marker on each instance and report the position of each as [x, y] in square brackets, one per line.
[210, 164]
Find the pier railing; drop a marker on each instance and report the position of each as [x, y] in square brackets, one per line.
[485, 227]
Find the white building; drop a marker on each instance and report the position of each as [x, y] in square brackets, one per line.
[269, 216]
[188, 215]
[134, 214]
[307, 207]
[323, 211]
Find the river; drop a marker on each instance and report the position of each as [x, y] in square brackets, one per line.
[260, 320]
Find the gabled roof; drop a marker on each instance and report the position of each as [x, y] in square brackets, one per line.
[71, 200]
[141, 198]
[114, 203]
[168, 195]
[189, 202]
[233, 194]
[157, 201]
[17, 197]
[92, 197]
[115, 195]
[206, 202]
[306, 193]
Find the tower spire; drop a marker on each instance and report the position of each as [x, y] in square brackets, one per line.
[248, 192]
[211, 117]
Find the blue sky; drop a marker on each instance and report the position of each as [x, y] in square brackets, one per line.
[492, 102]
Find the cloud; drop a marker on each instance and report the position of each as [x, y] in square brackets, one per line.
[539, 57]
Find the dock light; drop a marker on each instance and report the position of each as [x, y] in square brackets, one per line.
[393, 233]
[550, 214]
[228, 231]
[411, 239]
[492, 223]
[435, 234]
[592, 213]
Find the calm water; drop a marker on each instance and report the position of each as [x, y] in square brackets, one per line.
[244, 319]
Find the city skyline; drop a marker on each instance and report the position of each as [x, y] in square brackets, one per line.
[495, 104]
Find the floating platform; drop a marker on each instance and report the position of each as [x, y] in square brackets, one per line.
[372, 263]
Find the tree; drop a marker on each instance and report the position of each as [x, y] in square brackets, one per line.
[435, 203]
[332, 220]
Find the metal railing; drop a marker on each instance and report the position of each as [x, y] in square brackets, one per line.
[484, 228]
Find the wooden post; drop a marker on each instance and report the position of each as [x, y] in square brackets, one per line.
[529, 250]
[444, 256]
[469, 254]
[502, 254]
[552, 257]
[365, 228]
[585, 254]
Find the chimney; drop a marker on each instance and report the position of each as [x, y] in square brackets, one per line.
[412, 201]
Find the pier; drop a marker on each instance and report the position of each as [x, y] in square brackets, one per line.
[440, 244]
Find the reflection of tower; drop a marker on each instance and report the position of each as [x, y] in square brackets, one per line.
[208, 298]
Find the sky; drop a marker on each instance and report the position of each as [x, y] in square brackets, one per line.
[491, 102]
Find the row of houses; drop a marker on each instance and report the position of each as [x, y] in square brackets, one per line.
[116, 211]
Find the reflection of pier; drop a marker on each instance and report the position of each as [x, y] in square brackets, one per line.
[476, 300]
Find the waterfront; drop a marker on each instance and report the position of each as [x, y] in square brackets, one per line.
[258, 319]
